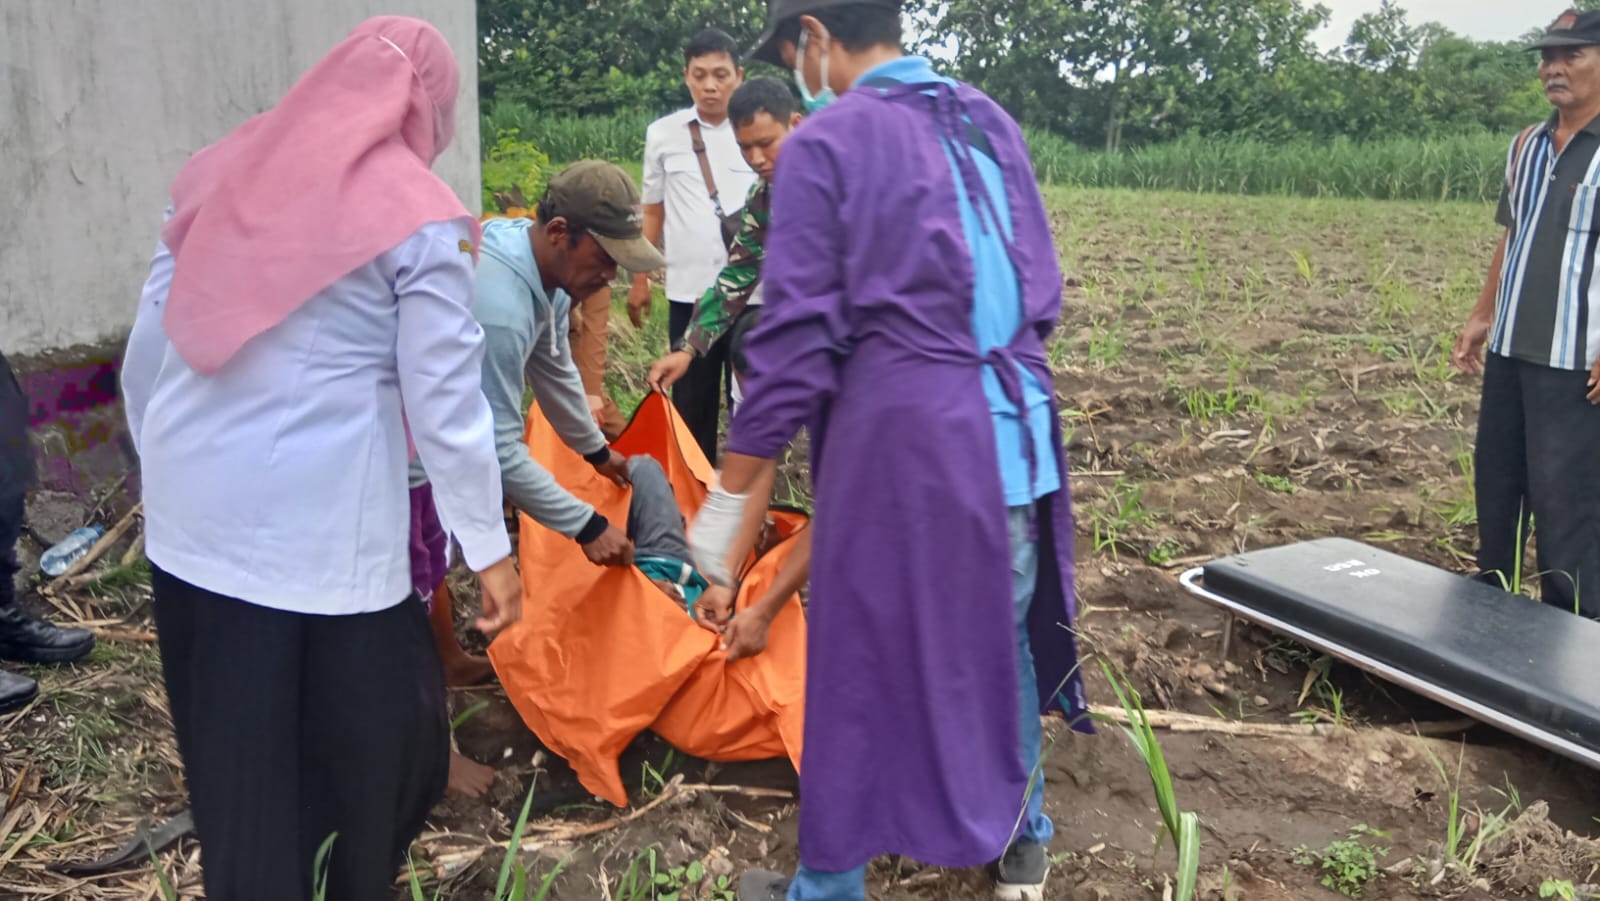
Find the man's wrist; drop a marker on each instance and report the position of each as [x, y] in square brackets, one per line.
[594, 528]
[600, 457]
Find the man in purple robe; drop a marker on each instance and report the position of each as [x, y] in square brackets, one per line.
[911, 285]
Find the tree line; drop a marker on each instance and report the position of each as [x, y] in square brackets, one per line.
[1101, 73]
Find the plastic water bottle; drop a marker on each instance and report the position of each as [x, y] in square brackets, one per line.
[69, 550]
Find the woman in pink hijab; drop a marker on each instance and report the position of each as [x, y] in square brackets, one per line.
[313, 278]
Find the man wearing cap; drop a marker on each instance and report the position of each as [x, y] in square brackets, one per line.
[528, 272]
[909, 246]
[1539, 317]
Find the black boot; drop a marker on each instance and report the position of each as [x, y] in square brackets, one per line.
[25, 638]
[16, 690]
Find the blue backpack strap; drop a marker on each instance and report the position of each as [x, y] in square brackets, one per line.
[975, 135]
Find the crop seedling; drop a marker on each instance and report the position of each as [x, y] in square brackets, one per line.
[1106, 342]
[1182, 825]
[1461, 851]
[1120, 512]
[1304, 266]
[653, 781]
[1347, 864]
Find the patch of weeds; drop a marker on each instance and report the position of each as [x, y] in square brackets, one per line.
[1332, 711]
[1280, 484]
[1397, 302]
[1562, 889]
[1348, 864]
[129, 575]
[1120, 512]
[1205, 404]
[1165, 551]
[684, 882]
[88, 727]
[1399, 402]
[1106, 342]
[638, 882]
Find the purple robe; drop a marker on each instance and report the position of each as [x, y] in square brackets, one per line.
[912, 741]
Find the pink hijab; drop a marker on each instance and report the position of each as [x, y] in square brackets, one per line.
[313, 189]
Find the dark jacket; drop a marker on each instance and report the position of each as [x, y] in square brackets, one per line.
[16, 453]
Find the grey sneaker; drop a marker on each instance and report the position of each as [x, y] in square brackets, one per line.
[763, 885]
[1019, 875]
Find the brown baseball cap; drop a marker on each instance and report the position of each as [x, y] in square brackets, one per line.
[601, 199]
[780, 11]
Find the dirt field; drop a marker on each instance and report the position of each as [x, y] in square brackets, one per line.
[1237, 373]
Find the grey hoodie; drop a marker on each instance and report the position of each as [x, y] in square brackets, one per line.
[525, 330]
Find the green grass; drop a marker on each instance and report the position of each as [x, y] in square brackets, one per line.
[566, 138]
[1469, 167]
[1465, 167]
[630, 351]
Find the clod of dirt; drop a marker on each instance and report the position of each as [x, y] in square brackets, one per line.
[1533, 849]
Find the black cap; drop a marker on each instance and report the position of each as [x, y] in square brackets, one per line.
[1571, 29]
[780, 11]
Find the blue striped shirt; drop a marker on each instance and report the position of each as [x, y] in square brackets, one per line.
[1547, 310]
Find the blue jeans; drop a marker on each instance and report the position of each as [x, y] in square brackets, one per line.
[1034, 826]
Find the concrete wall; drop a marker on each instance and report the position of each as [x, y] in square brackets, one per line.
[101, 101]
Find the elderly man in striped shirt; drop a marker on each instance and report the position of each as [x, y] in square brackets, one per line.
[1539, 315]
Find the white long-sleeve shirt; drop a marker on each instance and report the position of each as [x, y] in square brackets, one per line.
[281, 480]
[672, 177]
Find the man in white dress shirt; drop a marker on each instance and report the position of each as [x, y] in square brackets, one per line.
[695, 178]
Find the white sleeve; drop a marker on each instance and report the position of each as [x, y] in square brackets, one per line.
[439, 353]
[652, 188]
[147, 342]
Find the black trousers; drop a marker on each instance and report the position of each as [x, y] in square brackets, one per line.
[698, 395]
[1538, 446]
[293, 728]
[11, 515]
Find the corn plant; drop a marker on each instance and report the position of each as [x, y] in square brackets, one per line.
[1182, 825]
[1461, 850]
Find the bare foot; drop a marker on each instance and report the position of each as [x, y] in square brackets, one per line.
[468, 777]
[461, 671]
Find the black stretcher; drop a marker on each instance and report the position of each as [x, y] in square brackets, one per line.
[1507, 660]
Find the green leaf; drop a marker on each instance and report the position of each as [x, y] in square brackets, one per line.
[467, 715]
[167, 891]
[515, 844]
[319, 866]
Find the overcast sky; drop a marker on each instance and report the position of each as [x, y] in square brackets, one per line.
[1499, 20]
